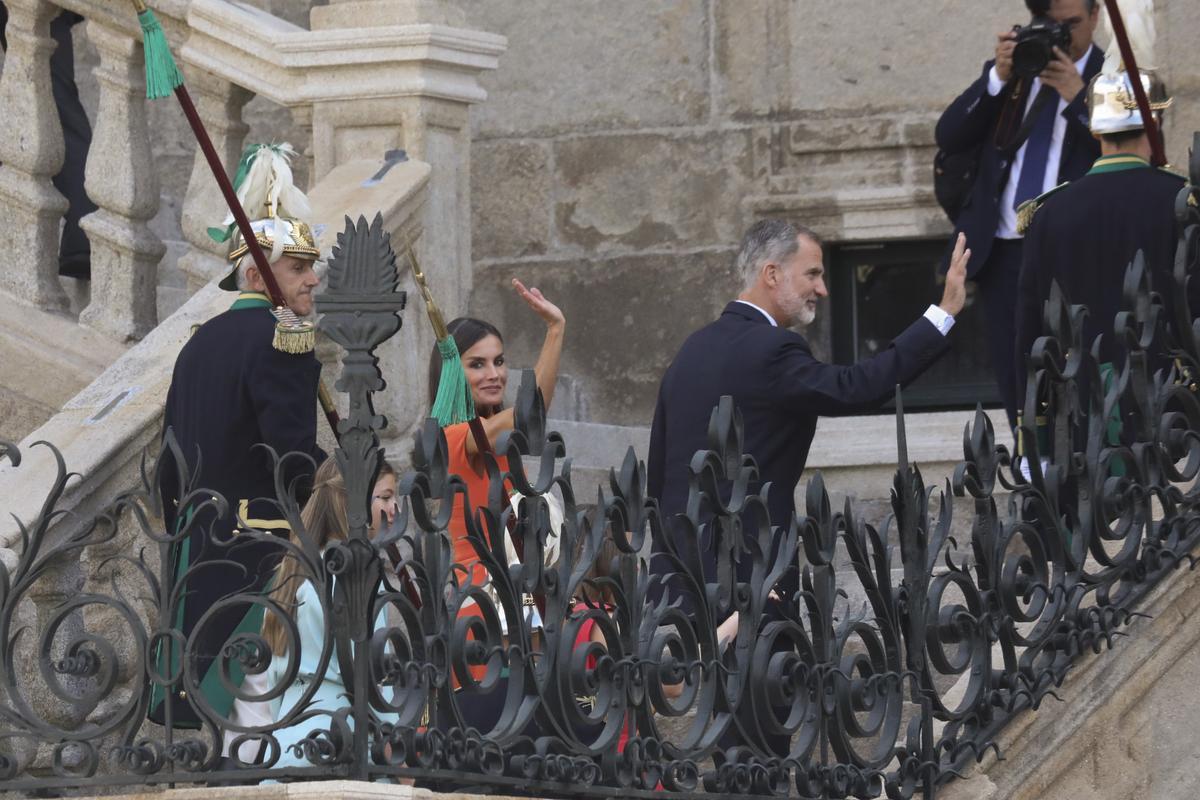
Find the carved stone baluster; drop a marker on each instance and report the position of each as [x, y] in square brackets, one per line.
[31, 149]
[220, 105]
[121, 180]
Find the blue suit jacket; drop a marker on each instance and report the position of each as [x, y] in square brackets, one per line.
[780, 388]
[973, 119]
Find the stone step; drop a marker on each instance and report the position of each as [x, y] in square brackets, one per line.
[856, 456]
[594, 445]
[569, 401]
[48, 358]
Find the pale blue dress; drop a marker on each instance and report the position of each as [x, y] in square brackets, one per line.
[331, 696]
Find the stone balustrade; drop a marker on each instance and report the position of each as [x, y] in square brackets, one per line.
[405, 79]
[122, 182]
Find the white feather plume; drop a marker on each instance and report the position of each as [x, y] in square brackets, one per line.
[270, 187]
[1138, 16]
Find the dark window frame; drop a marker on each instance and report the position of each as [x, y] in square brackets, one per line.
[845, 259]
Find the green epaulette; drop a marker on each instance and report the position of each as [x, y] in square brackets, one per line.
[1026, 210]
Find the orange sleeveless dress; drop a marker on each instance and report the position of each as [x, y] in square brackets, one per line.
[473, 471]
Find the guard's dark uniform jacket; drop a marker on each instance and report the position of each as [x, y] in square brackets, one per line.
[230, 391]
[1084, 235]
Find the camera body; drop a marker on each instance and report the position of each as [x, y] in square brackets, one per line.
[1035, 45]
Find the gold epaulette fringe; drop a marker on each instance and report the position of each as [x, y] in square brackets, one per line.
[295, 339]
[1025, 213]
[292, 334]
[1026, 210]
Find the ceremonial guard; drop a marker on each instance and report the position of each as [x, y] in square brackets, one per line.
[246, 381]
[1085, 234]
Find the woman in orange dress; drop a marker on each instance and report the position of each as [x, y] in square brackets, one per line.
[482, 351]
[481, 348]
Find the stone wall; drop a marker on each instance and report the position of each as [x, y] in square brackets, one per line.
[625, 146]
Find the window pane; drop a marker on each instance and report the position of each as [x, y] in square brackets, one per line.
[879, 289]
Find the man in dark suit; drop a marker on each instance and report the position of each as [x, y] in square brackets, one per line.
[993, 113]
[231, 392]
[770, 371]
[1084, 235]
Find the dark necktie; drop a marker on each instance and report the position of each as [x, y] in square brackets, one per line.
[1037, 148]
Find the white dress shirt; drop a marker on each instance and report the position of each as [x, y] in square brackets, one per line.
[936, 316]
[1007, 229]
[762, 311]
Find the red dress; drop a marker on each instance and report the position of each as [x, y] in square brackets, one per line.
[585, 636]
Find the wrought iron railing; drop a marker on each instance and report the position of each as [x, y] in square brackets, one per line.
[815, 697]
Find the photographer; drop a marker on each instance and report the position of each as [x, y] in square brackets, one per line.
[1025, 122]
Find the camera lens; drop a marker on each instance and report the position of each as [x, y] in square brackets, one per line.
[1030, 57]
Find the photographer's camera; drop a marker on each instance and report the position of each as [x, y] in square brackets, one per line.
[1036, 41]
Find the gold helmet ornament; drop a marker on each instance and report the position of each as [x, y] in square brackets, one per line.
[277, 209]
[1112, 107]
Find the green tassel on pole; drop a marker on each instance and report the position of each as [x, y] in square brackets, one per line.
[453, 403]
[162, 75]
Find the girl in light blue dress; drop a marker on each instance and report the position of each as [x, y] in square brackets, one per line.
[325, 520]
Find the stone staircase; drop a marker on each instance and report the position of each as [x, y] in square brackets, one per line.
[48, 359]
[85, 365]
[351, 86]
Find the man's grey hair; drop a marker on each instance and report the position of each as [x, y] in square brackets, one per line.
[246, 262]
[769, 240]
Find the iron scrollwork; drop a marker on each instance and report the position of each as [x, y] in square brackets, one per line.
[868, 660]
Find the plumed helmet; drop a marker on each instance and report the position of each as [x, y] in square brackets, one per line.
[1112, 107]
[277, 209]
